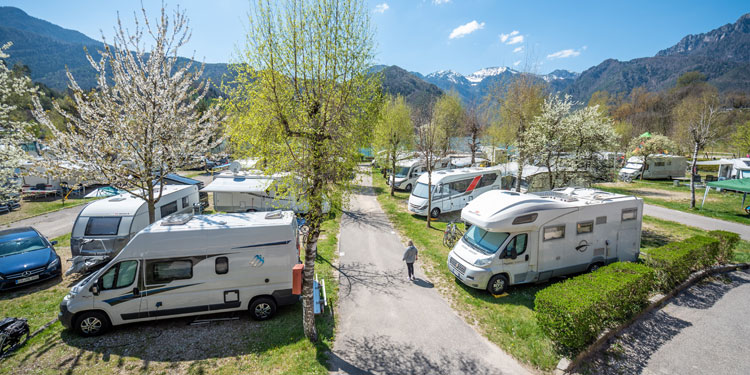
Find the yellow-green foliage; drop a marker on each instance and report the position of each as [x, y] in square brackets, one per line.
[675, 261]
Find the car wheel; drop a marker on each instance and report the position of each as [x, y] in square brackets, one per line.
[497, 285]
[435, 213]
[594, 267]
[92, 323]
[262, 308]
[408, 188]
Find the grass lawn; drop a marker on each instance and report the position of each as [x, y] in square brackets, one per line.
[724, 205]
[509, 321]
[276, 346]
[34, 208]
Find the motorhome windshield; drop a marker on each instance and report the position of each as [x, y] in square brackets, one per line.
[402, 172]
[633, 166]
[484, 241]
[420, 191]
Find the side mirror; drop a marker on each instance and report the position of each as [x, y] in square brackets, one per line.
[53, 243]
[136, 292]
[95, 288]
[513, 254]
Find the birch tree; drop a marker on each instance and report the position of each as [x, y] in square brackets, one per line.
[473, 129]
[394, 132]
[304, 101]
[141, 122]
[12, 131]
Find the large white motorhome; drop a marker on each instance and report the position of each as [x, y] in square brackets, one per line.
[105, 226]
[189, 265]
[657, 167]
[408, 171]
[730, 168]
[247, 191]
[518, 238]
[453, 189]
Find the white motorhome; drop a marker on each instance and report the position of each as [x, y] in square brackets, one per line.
[105, 226]
[518, 238]
[190, 265]
[657, 167]
[453, 189]
[408, 171]
[730, 168]
[247, 191]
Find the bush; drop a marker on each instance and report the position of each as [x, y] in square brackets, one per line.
[675, 261]
[574, 312]
[727, 242]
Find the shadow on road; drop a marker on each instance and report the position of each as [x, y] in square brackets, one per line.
[705, 295]
[423, 283]
[367, 275]
[365, 220]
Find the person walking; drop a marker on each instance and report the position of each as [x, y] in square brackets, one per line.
[410, 256]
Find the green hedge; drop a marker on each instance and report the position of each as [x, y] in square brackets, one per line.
[573, 313]
[675, 261]
[727, 242]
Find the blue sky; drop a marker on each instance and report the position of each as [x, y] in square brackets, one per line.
[461, 35]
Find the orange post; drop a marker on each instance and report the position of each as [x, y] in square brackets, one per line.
[297, 278]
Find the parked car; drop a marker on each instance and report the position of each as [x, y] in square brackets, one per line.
[26, 257]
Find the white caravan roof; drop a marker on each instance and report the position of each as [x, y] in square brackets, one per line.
[495, 210]
[439, 176]
[126, 204]
[466, 161]
[740, 163]
[221, 221]
[409, 162]
[239, 184]
[511, 169]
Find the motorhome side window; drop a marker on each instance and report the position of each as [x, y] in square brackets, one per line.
[518, 243]
[629, 214]
[487, 180]
[164, 271]
[554, 232]
[460, 186]
[102, 226]
[184, 202]
[168, 209]
[585, 227]
[222, 265]
[119, 276]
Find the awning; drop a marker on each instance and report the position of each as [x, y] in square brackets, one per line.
[741, 185]
[715, 162]
[238, 185]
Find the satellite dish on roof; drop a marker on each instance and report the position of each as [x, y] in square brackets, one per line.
[235, 167]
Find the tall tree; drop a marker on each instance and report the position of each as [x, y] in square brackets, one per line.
[741, 138]
[473, 129]
[14, 87]
[141, 122]
[548, 134]
[304, 101]
[394, 132]
[654, 145]
[432, 143]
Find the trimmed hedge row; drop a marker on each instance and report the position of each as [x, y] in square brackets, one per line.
[574, 312]
[674, 262]
[727, 242]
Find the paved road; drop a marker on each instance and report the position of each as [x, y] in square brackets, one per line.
[389, 325]
[697, 220]
[53, 224]
[703, 330]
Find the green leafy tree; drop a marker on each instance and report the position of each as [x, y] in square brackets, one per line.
[432, 142]
[654, 145]
[394, 132]
[741, 138]
[303, 100]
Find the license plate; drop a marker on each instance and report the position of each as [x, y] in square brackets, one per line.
[453, 270]
[27, 279]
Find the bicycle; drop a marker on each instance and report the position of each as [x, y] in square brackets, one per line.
[452, 234]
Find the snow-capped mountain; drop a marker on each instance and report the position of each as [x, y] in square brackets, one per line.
[447, 75]
[481, 74]
[560, 74]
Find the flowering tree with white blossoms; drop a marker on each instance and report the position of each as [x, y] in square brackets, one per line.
[144, 124]
[11, 132]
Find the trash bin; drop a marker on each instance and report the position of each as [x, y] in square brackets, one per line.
[676, 182]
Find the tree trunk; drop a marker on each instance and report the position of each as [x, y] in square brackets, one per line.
[429, 197]
[150, 202]
[311, 252]
[520, 173]
[643, 167]
[692, 176]
[473, 147]
[393, 174]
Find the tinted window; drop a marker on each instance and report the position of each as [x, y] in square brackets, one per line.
[487, 180]
[518, 243]
[184, 202]
[102, 226]
[457, 187]
[168, 209]
[166, 271]
[585, 227]
[554, 232]
[120, 276]
[629, 214]
[525, 219]
[222, 265]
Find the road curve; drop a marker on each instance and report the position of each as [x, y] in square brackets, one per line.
[697, 221]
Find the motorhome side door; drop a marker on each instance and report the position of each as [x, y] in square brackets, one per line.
[118, 291]
[628, 234]
[516, 258]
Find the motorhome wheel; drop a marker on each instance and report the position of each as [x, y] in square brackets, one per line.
[262, 308]
[92, 323]
[435, 213]
[408, 188]
[497, 285]
[594, 267]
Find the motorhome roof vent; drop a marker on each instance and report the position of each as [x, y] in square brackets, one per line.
[275, 215]
[178, 219]
[117, 199]
[440, 172]
[558, 195]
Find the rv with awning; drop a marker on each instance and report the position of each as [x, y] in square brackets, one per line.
[730, 168]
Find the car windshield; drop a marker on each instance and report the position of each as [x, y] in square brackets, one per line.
[484, 241]
[21, 244]
[402, 172]
[420, 191]
[633, 166]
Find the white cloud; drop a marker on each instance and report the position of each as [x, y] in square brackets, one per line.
[440, 2]
[516, 39]
[517, 63]
[466, 29]
[381, 8]
[564, 54]
[518, 49]
[504, 37]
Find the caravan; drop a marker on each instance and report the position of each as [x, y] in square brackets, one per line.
[190, 265]
[657, 167]
[730, 168]
[105, 226]
[518, 238]
[408, 171]
[452, 190]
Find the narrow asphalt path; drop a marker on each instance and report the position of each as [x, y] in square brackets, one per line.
[389, 325]
[697, 221]
[51, 225]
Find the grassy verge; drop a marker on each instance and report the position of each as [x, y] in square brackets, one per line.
[276, 346]
[724, 205]
[35, 208]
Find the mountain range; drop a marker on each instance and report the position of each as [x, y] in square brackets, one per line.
[722, 55]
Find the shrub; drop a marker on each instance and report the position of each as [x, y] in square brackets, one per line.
[675, 261]
[573, 313]
[727, 242]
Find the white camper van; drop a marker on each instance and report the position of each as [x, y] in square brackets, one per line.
[453, 189]
[657, 167]
[408, 171]
[518, 238]
[730, 168]
[189, 265]
[105, 226]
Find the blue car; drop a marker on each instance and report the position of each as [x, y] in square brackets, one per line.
[26, 257]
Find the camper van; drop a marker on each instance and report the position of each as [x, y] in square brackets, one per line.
[105, 226]
[453, 189]
[408, 171]
[190, 265]
[518, 238]
[730, 168]
[244, 191]
[658, 167]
